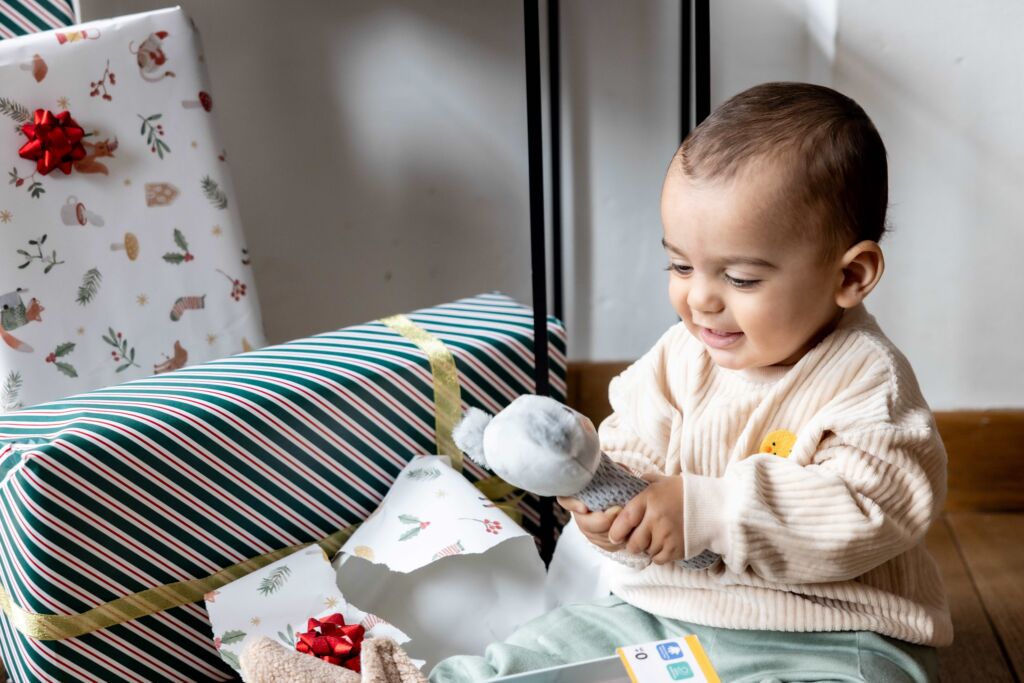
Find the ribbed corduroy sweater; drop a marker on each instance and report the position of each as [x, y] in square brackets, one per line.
[829, 537]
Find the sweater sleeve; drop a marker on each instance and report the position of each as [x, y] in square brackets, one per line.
[641, 444]
[640, 428]
[868, 494]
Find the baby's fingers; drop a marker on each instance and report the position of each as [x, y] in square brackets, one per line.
[572, 504]
[627, 520]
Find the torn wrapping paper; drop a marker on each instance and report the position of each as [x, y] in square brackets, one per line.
[277, 601]
[441, 562]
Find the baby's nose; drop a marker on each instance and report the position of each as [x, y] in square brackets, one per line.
[703, 299]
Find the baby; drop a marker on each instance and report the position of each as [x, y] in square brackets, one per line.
[778, 426]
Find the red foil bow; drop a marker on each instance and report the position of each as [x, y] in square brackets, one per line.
[54, 141]
[333, 641]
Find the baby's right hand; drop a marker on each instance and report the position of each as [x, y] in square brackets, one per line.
[594, 525]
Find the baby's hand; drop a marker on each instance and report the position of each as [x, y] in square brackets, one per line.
[653, 521]
[594, 525]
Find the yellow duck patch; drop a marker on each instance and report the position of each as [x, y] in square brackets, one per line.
[780, 442]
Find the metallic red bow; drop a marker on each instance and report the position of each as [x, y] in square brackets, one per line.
[54, 141]
[332, 641]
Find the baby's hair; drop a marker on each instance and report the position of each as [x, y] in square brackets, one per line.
[835, 155]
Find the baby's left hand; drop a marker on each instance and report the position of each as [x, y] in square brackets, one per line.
[653, 521]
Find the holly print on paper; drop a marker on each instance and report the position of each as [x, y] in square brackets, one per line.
[273, 581]
[63, 350]
[154, 134]
[121, 349]
[35, 188]
[231, 658]
[237, 286]
[287, 637]
[50, 260]
[187, 303]
[89, 287]
[491, 526]
[101, 84]
[177, 257]
[413, 532]
[213, 192]
[229, 638]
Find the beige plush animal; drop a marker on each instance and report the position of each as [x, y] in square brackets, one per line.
[382, 660]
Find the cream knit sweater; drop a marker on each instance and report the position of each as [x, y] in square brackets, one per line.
[828, 538]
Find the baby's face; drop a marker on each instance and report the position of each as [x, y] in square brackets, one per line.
[743, 280]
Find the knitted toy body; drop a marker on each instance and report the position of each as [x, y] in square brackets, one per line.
[546, 448]
[612, 485]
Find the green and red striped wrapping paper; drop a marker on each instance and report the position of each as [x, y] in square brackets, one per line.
[180, 475]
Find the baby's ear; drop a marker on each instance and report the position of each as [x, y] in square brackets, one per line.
[468, 435]
[862, 267]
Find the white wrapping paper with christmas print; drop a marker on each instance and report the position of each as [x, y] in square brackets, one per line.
[134, 263]
[443, 563]
[122, 507]
[278, 600]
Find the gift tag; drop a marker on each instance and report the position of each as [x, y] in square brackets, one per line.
[664, 661]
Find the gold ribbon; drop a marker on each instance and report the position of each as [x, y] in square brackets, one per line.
[448, 406]
[445, 376]
[448, 410]
[149, 601]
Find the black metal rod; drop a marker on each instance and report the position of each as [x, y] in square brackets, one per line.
[685, 66]
[555, 126]
[702, 59]
[538, 261]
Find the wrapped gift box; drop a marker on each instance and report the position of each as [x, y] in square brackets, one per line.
[120, 508]
[135, 262]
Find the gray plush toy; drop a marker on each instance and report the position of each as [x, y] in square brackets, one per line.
[547, 448]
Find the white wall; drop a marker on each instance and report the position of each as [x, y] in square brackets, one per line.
[415, 190]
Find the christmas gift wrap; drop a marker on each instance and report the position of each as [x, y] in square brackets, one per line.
[120, 508]
[278, 601]
[444, 564]
[121, 249]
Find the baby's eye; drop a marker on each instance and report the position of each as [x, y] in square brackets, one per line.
[678, 268]
[742, 284]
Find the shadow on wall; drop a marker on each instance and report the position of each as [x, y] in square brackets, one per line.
[378, 150]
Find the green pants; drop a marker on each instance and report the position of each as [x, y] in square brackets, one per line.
[588, 631]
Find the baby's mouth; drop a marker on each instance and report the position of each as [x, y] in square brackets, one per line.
[719, 339]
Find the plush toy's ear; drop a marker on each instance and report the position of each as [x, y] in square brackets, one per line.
[469, 435]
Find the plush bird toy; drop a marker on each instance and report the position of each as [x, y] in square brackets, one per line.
[547, 448]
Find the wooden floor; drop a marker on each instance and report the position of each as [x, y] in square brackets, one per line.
[982, 561]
